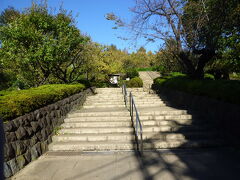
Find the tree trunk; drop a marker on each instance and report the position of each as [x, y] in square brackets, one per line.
[206, 56]
[188, 66]
[196, 72]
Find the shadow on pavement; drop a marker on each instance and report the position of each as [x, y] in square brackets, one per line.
[217, 162]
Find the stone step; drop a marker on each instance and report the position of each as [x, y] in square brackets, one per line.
[105, 103]
[96, 130]
[97, 114]
[106, 93]
[97, 124]
[130, 145]
[106, 99]
[122, 102]
[100, 96]
[150, 105]
[117, 90]
[165, 117]
[122, 129]
[94, 137]
[131, 137]
[116, 124]
[173, 117]
[126, 119]
[109, 95]
[97, 119]
[110, 98]
[143, 116]
[91, 146]
[108, 89]
[162, 112]
[136, 99]
[149, 102]
[104, 106]
[110, 102]
[142, 95]
[147, 99]
[182, 144]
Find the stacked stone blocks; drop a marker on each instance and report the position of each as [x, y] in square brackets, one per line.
[27, 137]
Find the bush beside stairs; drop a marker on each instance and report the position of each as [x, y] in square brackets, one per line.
[104, 124]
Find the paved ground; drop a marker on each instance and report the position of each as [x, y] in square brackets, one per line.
[164, 165]
[148, 77]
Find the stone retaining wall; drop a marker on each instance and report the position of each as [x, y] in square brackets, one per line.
[27, 137]
[225, 116]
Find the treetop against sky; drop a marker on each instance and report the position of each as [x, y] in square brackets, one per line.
[90, 17]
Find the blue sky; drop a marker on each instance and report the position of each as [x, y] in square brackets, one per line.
[91, 20]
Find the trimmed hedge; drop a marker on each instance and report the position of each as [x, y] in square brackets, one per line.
[134, 82]
[18, 102]
[154, 68]
[224, 90]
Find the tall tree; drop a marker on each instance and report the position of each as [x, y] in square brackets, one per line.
[39, 45]
[195, 25]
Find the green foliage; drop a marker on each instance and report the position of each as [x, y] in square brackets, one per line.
[177, 74]
[131, 73]
[167, 60]
[8, 15]
[154, 68]
[85, 82]
[134, 82]
[100, 84]
[145, 69]
[217, 32]
[139, 59]
[235, 76]
[224, 90]
[209, 76]
[39, 45]
[18, 102]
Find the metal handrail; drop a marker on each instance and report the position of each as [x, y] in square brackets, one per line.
[136, 123]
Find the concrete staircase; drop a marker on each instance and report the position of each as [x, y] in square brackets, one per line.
[166, 127]
[104, 124]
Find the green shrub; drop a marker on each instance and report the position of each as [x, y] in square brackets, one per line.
[160, 69]
[235, 76]
[134, 82]
[146, 69]
[85, 82]
[131, 73]
[224, 90]
[101, 84]
[209, 76]
[18, 102]
[153, 68]
[121, 82]
[177, 74]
